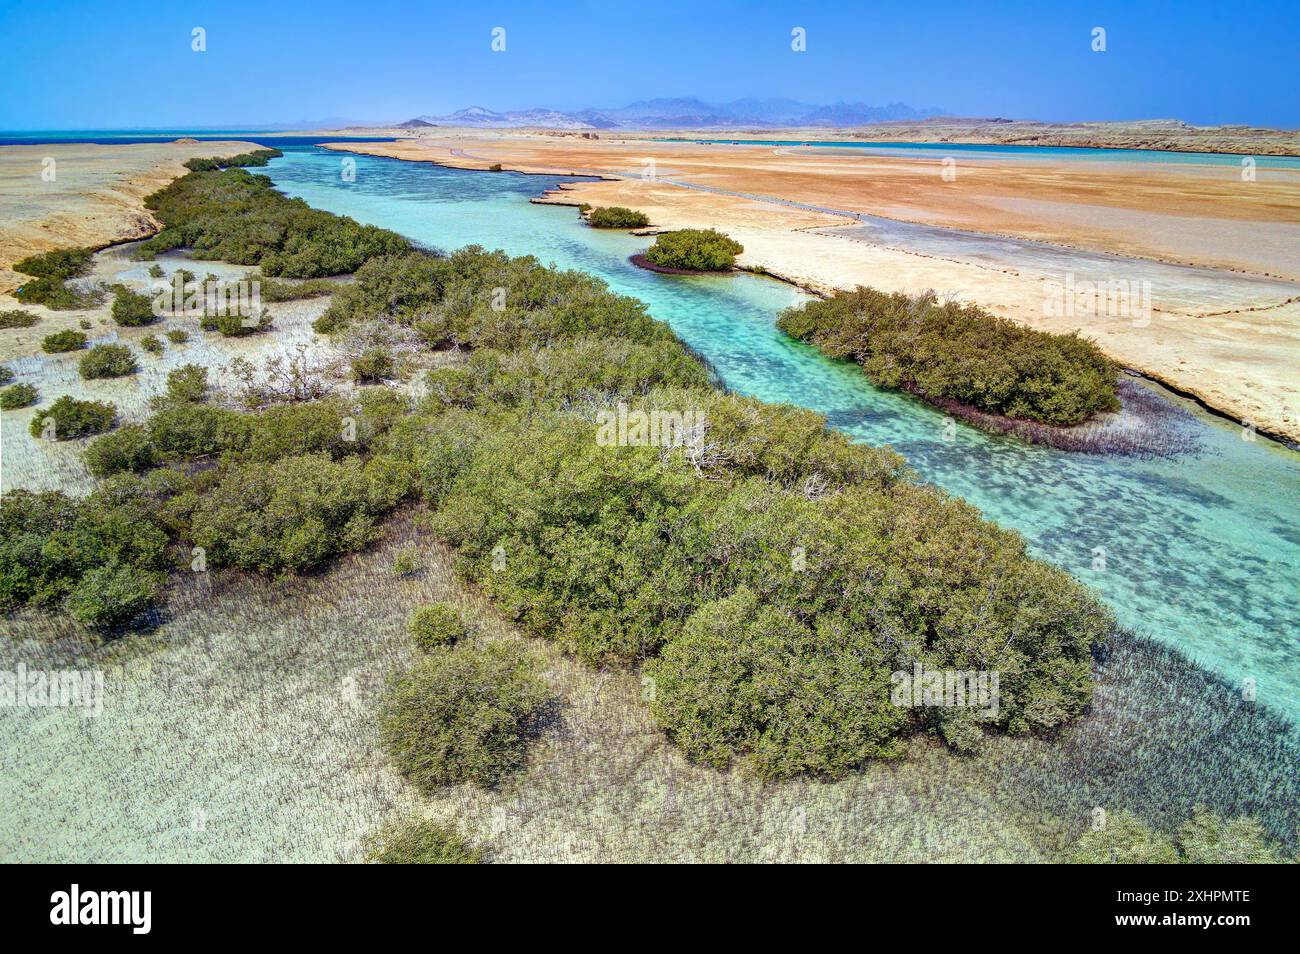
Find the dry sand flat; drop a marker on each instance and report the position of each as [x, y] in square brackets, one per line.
[1239, 360]
[96, 196]
[1162, 134]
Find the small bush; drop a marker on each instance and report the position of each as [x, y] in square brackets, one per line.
[419, 841]
[374, 364]
[107, 361]
[16, 396]
[156, 271]
[187, 384]
[465, 715]
[235, 325]
[694, 250]
[113, 595]
[153, 344]
[616, 217]
[132, 309]
[407, 561]
[73, 418]
[17, 318]
[436, 626]
[128, 448]
[6, 374]
[176, 336]
[63, 341]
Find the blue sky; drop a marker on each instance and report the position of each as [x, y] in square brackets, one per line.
[112, 65]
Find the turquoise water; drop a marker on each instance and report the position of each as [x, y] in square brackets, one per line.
[936, 150]
[1202, 551]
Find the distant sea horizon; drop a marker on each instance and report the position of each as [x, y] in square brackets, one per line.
[116, 137]
[919, 149]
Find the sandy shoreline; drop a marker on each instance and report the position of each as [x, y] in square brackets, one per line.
[96, 197]
[1238, 360]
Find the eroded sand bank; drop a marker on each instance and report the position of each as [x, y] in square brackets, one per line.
[1238, 357]
[65, 195]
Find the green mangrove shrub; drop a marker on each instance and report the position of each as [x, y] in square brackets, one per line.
[61, 341]
[126, 449]
[297, 512]
[478, 299]
[132, 309]
[257, 157]
[100, 558]
[107, 361]
[187, 384]
[234, 325]
[436, 626]
[50, 272]
[69, 418]
[959, 352]
[466, 715]
[17, 318]
[235, 216]
[616, 217]
[694, 250]
[17, 396]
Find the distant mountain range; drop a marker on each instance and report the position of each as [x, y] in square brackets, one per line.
[684, 113]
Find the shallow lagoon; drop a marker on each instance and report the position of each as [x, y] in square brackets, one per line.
[1202, 551]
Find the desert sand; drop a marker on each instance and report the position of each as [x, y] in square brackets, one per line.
[94, 197]
[1161, 134]
[1238, 356]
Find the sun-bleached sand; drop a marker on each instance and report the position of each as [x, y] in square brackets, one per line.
[66, 195]
[1238, 357]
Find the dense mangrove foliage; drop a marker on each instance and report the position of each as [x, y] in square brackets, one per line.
[694, 250]
[236, 216]
[943, 349]
[771, 577]
[257, 157]
[616, 217]
[51, 272]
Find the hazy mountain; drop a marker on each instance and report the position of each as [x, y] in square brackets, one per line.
[551, 119]
[689, 113]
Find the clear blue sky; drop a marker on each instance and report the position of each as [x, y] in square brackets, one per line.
[112, 65]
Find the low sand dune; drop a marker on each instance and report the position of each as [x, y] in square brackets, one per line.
[1238, 355]
[94, 197]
